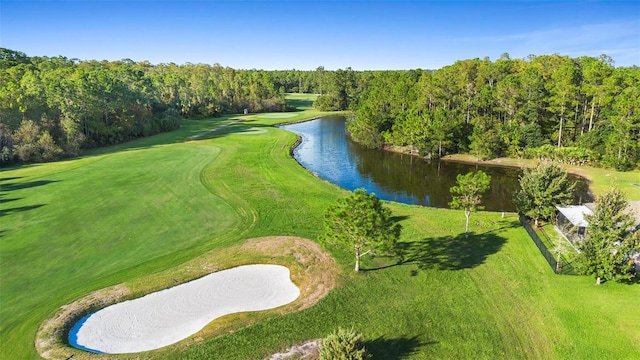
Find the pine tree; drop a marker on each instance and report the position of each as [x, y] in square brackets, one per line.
[362, 222]
[343, 344]
[605, 252]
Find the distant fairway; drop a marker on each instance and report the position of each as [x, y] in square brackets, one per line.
[302, 101]
[276, 116]
[138, 213]
[253, 131]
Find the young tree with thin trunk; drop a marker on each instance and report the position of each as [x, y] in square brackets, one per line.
[595, 72]
[360, 221]
[467, 194]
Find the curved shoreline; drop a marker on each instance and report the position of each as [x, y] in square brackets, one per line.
[521, 164]
[412, 195]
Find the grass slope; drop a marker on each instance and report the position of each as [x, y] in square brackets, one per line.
[124, 213]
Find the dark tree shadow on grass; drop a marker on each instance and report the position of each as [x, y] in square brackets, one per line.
[6, 188]
[10, 178]
[25, 185]
[399, 218]
[394, 349]
[451, 252]
[19, 209]
[300, 104]
[633, 281]
[381, 262]
[2, 201]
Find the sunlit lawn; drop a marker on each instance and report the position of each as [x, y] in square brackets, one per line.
[122, 214]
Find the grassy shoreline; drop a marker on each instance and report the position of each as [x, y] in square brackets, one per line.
[138, 213]
[600, 179]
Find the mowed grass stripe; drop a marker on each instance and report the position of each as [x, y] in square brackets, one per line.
[99, 220]
[84, 242]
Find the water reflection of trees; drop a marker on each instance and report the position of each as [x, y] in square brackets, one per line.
[427, 183]
[406, 176]
[400, 177]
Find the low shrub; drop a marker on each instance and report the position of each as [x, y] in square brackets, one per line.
[343, 344]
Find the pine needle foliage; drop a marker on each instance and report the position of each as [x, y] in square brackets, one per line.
[362, 222]
[605, 252]
[343, 344]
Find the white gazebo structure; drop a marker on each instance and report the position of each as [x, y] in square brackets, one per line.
[571, 221]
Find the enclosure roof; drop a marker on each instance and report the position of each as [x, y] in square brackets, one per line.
[575, 214]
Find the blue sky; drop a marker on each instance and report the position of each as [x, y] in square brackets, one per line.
[363, 35]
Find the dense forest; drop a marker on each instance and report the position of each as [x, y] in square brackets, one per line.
[53, 107]
[575, 110]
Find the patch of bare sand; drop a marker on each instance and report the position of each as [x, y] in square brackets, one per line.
[166, 317]
[309, 350]
[313, 270]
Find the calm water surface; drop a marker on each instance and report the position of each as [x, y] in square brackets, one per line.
[329, 153]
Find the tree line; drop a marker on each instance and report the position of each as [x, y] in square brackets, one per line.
[52, 107]
[575, 110]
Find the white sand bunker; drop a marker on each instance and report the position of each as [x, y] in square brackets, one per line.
[168, 316]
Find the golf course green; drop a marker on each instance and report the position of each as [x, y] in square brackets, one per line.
[136, 213]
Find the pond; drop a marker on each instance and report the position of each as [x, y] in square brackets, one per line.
[328, 152]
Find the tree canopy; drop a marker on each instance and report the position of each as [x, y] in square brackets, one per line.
[467, 193]
[361, 222]
[542, 189]
[343, 344]
[610, 240]
[53, 107]
[572, 110]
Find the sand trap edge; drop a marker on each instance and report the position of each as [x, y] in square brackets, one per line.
[166, 317]
[312, 268]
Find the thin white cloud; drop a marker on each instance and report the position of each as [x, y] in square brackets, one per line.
[621, 39]
[577, 34]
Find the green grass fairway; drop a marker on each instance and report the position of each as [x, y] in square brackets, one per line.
[128, 213]
[254, 131]
[276, 116]
[302, 101]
